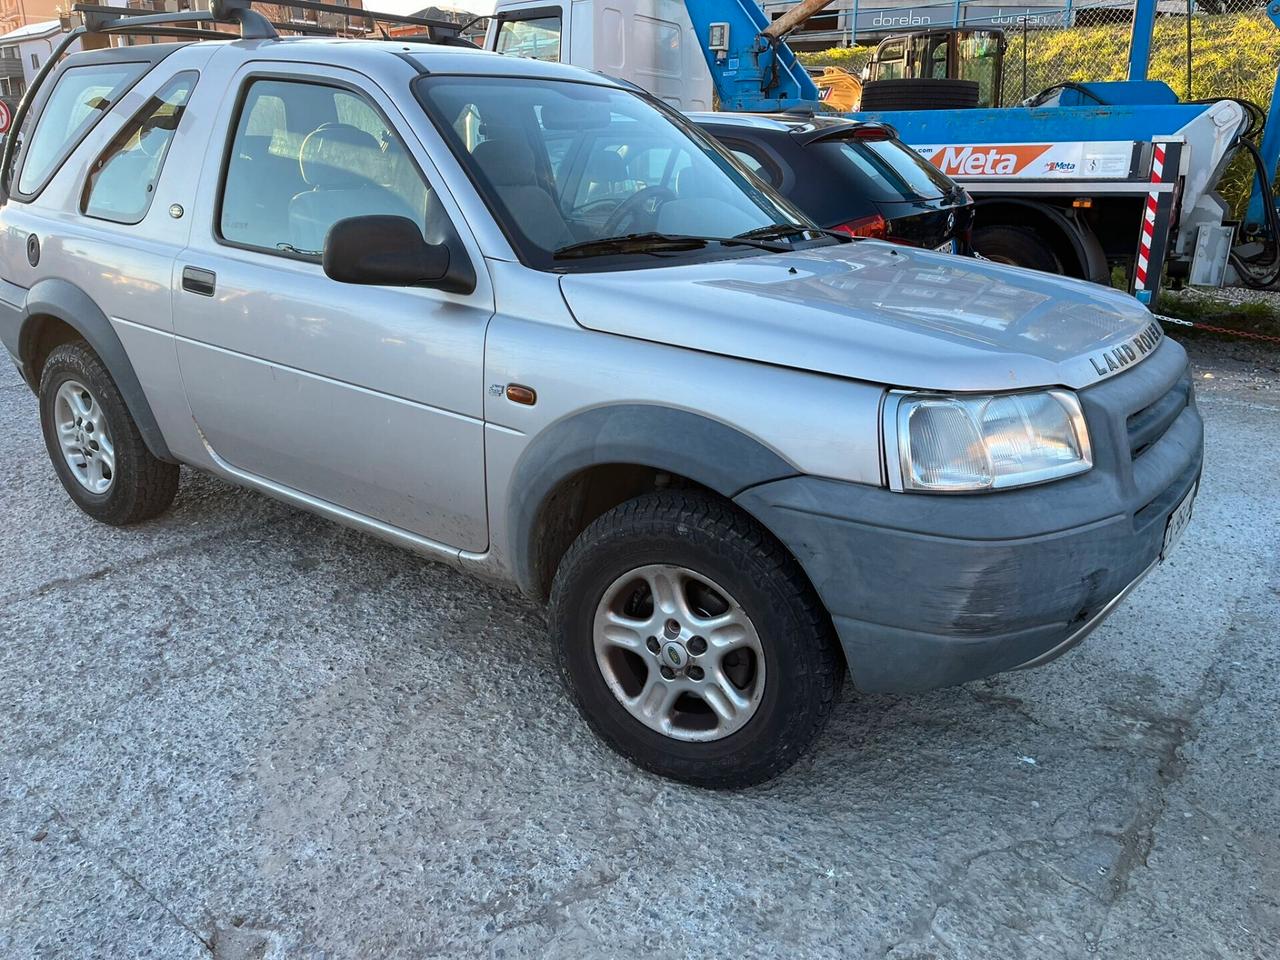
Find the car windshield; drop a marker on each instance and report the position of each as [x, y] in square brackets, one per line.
[566, 165]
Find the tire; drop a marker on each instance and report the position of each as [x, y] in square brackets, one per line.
[919, 93]
[1017, 246]
[116, 480]
[783, 658]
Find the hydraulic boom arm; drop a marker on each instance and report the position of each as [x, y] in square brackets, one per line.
[751, 65]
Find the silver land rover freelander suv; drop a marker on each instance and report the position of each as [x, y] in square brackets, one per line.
[529, 321]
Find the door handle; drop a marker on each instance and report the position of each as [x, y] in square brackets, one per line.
[195, 280]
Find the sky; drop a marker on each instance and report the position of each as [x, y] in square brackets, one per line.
[413, 6]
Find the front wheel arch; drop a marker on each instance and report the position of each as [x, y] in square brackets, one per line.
[631, 449]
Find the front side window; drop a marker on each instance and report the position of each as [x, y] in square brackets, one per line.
[628, 168]
[82, 96]
[122, 181]
[537, 38]
[306, 155]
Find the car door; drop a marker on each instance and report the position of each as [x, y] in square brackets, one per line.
[367, 398]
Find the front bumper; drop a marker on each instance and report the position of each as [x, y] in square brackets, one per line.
[928, 591]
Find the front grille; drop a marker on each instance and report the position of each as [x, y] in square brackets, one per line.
[1149, 424]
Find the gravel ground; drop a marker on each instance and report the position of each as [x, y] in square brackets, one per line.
[241, 731]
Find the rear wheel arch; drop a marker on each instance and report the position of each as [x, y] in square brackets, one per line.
[1072, 241]
[579, 468]
[57, 312]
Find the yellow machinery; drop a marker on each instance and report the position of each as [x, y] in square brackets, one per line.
[838, 88]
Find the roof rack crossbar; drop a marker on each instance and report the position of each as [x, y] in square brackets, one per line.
[96, 23]
[253, 25]
[160, 30]
[438, 29]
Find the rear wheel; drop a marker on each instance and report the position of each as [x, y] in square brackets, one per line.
[1016, 246]
[692, 642]
[94, 444]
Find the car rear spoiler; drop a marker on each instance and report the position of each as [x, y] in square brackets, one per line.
[852, 130]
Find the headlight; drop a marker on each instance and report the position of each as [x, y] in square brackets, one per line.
[951, 444]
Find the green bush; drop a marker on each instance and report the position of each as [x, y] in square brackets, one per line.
[852, 59]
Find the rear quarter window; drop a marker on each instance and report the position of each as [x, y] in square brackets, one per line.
[122, 181]
[82, 96]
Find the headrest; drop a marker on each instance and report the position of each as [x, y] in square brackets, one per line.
[506, 162]
[687, 182]
[333, 153]
[606, 167]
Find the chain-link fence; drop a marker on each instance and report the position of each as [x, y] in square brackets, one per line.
[1220, 48]
[1201, 48]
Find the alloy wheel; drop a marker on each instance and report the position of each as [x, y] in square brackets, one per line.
[679, 653]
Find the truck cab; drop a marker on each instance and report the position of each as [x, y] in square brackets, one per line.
[972, 55]
[650, 43]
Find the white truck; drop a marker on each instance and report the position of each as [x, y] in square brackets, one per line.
[650, 43]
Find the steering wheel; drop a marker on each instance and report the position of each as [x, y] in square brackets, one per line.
[641, 203]
[592, 206]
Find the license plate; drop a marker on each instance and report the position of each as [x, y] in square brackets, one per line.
[948, 247]
[1178, 521]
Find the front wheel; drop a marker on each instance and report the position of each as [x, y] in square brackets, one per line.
[692, 642]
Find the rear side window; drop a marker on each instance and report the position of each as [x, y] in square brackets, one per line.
[755, 161]
[123, 179]
[82, 96]
[888, 171]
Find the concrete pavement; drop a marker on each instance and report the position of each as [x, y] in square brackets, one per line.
[241, 731]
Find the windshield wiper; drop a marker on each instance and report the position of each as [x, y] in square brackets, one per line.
[776, 231]
[658, 243]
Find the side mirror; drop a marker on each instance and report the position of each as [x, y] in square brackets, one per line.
[385, 250]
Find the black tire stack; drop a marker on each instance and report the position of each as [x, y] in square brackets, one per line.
[919, 94]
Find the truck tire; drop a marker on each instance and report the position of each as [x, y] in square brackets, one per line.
[691, 641]
[94, 443]
[919, 94]
[1016, 246]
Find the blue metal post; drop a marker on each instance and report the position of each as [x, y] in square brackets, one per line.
[1256, 216]
[1144, 23]
[955, 13]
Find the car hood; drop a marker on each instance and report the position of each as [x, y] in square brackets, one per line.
[878, 312]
